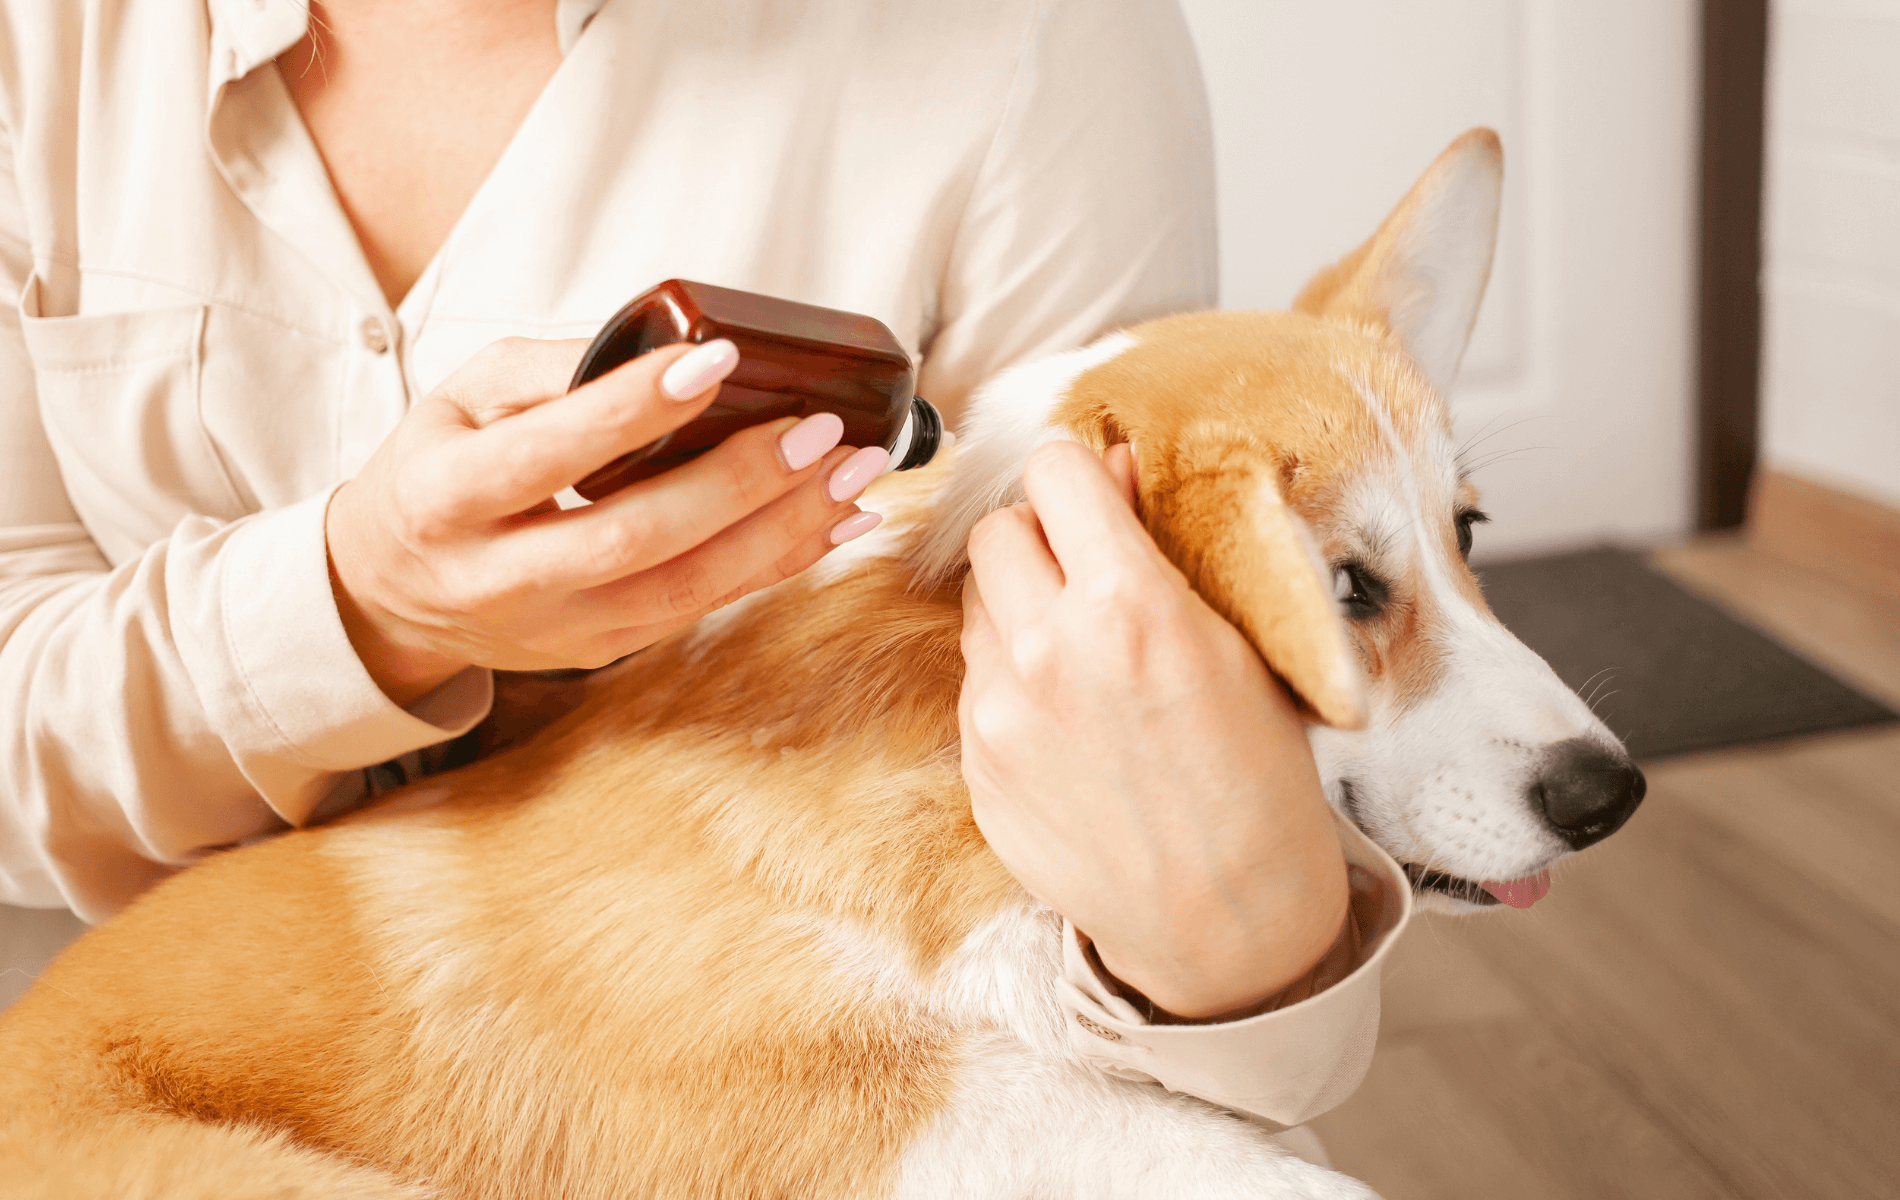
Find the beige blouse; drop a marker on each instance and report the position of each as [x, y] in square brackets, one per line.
[200, 353]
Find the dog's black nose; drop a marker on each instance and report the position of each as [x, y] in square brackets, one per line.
[1585, 791]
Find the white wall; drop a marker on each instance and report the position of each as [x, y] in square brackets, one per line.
[1831, 258]
[1582, 362]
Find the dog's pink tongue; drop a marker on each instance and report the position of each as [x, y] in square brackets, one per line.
[1519, 893]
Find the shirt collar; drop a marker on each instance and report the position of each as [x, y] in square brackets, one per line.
[245, 34]
[571, 17]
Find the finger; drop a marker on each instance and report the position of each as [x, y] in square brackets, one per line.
[980, 640]
[511, 376]
[805, 554]
[716, 570]
[1089, 526]
[1013, 566]
[972, 596]
[541, 448]
[984, 664]
[662, 518]
[814, 548]
[1119, 461]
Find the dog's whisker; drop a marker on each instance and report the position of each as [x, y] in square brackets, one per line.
[1601, 679]
[1501, 456]
[1465, 467]
[1595, 677]
[1593, 704]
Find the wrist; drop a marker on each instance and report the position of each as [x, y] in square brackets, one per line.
[405, 672]
[1217, 965]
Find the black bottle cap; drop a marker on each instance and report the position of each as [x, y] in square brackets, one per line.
[926, 434]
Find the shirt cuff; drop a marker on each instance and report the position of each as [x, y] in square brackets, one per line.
[300, 704]
[1284, 1066]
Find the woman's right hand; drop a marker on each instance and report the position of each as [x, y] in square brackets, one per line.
[448, 550]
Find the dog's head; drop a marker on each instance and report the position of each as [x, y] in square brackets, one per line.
[1299, 468]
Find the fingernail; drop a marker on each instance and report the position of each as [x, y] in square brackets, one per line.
[854, 525]
[806, 442]
[856, 473]
[699, 369]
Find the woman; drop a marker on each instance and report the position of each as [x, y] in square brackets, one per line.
[272, 515]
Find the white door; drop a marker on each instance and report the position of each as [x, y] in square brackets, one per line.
[1581, 371]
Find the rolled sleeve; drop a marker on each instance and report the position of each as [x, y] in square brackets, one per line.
[199, 695]
[1284, 1066]
[271, 658]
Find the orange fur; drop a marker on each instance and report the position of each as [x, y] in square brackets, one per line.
[609, 937]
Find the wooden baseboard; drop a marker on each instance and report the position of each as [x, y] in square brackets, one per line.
[1849, 538]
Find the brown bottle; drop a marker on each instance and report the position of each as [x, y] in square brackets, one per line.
[794, 360]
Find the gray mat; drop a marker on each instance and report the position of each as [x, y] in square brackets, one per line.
[1669, 671]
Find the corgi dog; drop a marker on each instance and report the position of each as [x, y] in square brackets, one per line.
[728, 928]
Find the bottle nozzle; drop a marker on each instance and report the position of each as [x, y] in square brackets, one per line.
[920, 439]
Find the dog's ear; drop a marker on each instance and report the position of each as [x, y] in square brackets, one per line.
[1423, 273]
[1216, 504]
[1226, 525]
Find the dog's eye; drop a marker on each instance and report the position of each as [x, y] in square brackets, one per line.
[1359, 593]
[1465, 521]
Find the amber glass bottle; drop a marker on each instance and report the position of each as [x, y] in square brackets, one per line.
[794, 360]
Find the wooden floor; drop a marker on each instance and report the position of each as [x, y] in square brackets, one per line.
[1707, 1004]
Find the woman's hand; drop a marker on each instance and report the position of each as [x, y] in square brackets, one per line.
[448, 550]
[1129, 757]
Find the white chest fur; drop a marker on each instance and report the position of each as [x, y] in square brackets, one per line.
[1029, 1118]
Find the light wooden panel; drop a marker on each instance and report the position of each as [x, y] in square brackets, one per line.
[1850, 539]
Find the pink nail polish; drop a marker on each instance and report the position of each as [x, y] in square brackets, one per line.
[806, 442]
[699, 369]
[856, 473]
[855, 525]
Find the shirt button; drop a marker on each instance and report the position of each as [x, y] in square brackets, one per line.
[375, 336]
[1100, 1031]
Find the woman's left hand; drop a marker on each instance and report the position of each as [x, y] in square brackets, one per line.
[1130, 758]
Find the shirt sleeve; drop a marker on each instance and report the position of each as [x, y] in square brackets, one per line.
[1285, 1066]
[198, 694]
[1094, 206]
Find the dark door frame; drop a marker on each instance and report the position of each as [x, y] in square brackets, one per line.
[1728, 376]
